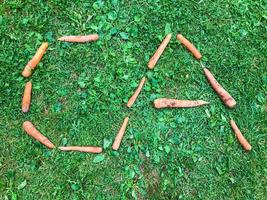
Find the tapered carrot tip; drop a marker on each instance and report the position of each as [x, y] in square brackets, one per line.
[240, 136]
[26, 100]
[154, 59]
[119, 136]
[136, 93]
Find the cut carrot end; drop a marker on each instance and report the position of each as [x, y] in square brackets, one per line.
[27, 72]
[231, 103]
[25, 109]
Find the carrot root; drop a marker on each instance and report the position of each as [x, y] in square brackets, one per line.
[154, 59]
[136, 93]
[240, 136]
[87, 149]
[189, 46]
[175, 103]
[227, 99]
[26, 100]
[118, 139]
[83, 38]
[31, 65]
[33, 132]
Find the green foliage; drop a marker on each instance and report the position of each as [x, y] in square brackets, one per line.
[80, 92]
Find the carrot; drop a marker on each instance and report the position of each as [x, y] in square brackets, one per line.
[154, 59]
[189, 46]
[239, 136]
[136, 93]
[174, 103]
[26, 100]
[82, 38]
[88, 149]
[118, 139]
[31, 65]
[33, 132]
[227, 99]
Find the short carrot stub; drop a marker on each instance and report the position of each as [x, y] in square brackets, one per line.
[26, 100]
[240, 136]
[31, 65]
[189, 46]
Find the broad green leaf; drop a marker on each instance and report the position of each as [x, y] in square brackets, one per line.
[22, 185]
[124, 35]
[99, 158]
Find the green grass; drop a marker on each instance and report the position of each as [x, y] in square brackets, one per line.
[80, 92]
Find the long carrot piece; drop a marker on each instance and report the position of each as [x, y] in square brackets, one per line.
[33, 132]
[227, 99]
[118, 139]
[87, 149]
[82, 38]
[154, 59]
[26, 100]
[175, 103]
[189, 46]
[240, 137]
[31, 65]
[136, 93]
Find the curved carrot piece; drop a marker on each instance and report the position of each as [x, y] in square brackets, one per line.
[83, 38]
[227, 99]
[118, 139]
[174, 103]
[26, 100]
[88, 149]
[189, 46]
[154, 59]
[35, 60]
[136, 93]
[32, 131]
[240, 137]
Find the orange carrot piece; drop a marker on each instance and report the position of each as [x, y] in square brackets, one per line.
[174, 103]
[118, 139]
[189, 46]
[136, 93]
[31, 65]
[33, 132]
[240, 137]
[154, 59]
[227, 99]
[82, 38]
[87, 149]
[26, 100]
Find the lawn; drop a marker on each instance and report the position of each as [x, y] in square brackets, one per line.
[80, 93]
